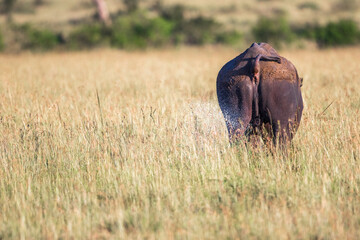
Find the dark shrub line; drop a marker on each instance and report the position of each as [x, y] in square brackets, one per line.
[276, 31]
[136, 30]
[36, 39]
[279, 32]
[341, 33]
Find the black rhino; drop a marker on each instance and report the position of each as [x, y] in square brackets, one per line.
[259, 94]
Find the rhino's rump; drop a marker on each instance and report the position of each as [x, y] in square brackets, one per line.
[243, 65]
[271, 71]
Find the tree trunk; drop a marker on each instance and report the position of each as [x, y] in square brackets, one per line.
[103, 11]
[8, 6]
[38, 2]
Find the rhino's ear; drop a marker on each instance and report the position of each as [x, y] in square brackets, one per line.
[301, 82]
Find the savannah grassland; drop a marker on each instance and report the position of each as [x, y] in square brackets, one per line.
[113, 144]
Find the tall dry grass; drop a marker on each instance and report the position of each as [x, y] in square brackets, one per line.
[111, 144]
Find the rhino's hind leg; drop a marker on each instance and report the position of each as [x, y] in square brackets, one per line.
[284, 130]
[236, 105]
[283, 105]
[282, 133]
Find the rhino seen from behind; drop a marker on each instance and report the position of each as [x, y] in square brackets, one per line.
[259, 94]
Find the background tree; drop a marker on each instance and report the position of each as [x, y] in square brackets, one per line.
[103, 11]
[38, 2]
[8, 8]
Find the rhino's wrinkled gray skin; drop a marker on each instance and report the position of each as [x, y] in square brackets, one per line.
[260, 90]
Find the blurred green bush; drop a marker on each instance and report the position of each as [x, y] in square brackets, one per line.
[200, 30]
[139, 31]
[229, 37]
[341, 33]
[36, 39]
[276, 31]
[197, 30]
[344, 32]
[2, 45]
[88, 36]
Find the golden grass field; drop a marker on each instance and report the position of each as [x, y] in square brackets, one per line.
[148, 156]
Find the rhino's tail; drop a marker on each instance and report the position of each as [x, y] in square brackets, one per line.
[255, 81]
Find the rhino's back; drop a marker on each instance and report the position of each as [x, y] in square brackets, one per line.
[272, 71]
[260, 48]
[241, 66]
